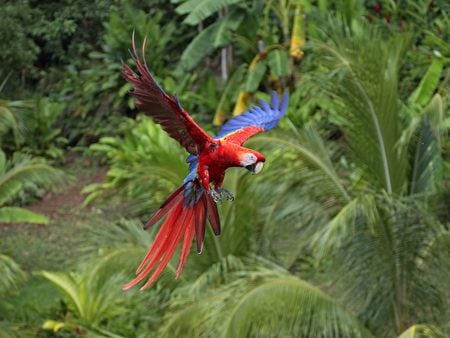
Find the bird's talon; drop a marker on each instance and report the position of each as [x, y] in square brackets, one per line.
[217, 197]
[228, 195]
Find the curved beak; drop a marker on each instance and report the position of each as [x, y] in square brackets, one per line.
[255, 168]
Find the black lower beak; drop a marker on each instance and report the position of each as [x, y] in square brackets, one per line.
[251, 167]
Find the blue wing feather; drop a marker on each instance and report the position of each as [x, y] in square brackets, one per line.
[265, 116]
[192, 191]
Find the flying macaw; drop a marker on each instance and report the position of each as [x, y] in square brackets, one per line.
[188, 207]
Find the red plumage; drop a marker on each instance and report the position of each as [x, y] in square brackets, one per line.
[187, 209]
[181, 223]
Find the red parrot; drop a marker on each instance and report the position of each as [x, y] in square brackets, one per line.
[188, 207]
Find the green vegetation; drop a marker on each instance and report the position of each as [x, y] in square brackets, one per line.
[345, 233]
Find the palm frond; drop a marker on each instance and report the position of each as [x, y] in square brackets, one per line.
[308, 147]
[10, 273]
[427, 164]
[365, 90]
[10, 118]
[260, 299]
[344, 225]
[8, 121]
[290, 307]
[23, 170]
[68, 287]
[400, 240]
[301, 194]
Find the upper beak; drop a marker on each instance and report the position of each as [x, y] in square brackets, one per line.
[255, 168]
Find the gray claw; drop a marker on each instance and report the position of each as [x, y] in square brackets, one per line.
[228, 195]
[217, 196]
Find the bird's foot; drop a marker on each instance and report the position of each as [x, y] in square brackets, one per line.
[217, 196]
[228, 195]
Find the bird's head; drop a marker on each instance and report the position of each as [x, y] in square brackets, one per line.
[252, 161]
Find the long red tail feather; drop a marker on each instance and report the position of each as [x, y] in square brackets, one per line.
[200, 219]
[213, 214]
[165, 207]
[183, 221]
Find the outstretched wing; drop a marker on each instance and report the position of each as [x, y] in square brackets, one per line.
[256, 120]
[163, 108]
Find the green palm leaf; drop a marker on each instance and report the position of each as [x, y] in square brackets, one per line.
[20, 215]
[402, 243]
[366, 88]
[308, 147]
[24, 170]
[10, 273]
[427, 165]
[344, 225]
[68, 287]
[18, 173]
[260, 299]
[289, 306]
[8, 120]
[306, 197]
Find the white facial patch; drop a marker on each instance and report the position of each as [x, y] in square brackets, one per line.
[258, 167]
[248, 159]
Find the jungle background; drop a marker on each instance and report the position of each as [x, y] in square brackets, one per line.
[345, 233]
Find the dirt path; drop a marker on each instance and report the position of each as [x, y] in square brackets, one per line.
[57, 205]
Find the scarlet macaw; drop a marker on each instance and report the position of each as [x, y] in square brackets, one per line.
[195, 200]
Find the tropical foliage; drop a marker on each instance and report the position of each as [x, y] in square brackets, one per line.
[17, 175]
[344, 234]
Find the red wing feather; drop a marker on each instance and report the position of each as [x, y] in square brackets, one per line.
[164, 109]
[241, 135]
